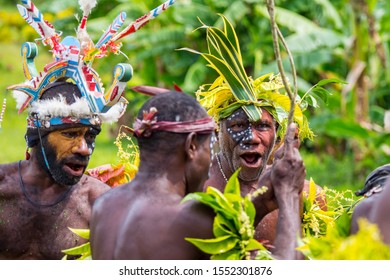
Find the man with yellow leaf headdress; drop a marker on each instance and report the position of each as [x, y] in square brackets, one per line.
[251, 114]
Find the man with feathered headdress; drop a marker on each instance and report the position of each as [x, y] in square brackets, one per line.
[48, 193]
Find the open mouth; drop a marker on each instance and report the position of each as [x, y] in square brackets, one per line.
[75, 169]
[251, 159]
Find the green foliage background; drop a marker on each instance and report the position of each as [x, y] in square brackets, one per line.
[328, 39]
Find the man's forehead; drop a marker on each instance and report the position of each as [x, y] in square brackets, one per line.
[240, 114]
[79, 127]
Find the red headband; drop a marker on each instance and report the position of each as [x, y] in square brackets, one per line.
[149, 123]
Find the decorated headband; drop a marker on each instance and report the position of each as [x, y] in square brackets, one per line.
[149, 123]
[73, 58]
[234, 89]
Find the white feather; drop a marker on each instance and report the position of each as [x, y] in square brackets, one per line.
[84, 39]
[87, 5]
[20, 97]
[114, 113]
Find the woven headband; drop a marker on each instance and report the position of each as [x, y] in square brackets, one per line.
[149, 123]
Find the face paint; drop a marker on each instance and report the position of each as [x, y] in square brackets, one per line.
[246, 144]
[213, 141]
[68, 152]
[240, 128]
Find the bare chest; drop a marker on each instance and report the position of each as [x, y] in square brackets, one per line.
[30, 232]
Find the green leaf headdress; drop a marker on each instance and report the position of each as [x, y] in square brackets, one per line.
[234, 89]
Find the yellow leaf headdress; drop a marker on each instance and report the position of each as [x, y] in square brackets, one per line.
[234, 89]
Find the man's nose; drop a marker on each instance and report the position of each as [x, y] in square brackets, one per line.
[251, 136]
[81, 148]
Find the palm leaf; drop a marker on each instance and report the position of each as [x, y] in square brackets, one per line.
[233, 224]
[216, 245]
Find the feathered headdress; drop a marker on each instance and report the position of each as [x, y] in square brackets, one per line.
[234, 89]
[73, 57]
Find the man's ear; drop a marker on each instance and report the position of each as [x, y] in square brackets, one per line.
[191, 145]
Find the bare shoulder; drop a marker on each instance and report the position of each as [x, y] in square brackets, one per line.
[362, 210]
[111, 196]
[159, 228]
[6, 168]
[8, 172]
[197, 218]
[104, 229]
[94, 187]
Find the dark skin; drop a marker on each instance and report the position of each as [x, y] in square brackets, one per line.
[125, 220]
[248, 145]
[29, 231]
[266, 230]
[376, 210]
[150, 222]
[244, 145]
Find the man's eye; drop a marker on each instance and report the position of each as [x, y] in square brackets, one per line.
[238, 126]
[90, 137]
[70, 134]
[263, 126]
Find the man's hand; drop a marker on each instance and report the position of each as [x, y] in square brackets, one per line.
[288, 177]
[288, 171]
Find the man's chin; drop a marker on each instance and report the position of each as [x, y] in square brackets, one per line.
[250, 174]
[65, 178]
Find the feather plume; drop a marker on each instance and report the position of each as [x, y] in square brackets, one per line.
[87, 5]
[82, 34]
[20, 98]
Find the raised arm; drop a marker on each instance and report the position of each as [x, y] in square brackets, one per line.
[287, 177]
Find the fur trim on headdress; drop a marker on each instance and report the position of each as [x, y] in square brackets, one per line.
[73, 58]
[57, 107]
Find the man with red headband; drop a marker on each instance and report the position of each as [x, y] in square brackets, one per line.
[144, 219]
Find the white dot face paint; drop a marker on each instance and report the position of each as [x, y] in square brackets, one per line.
[239, 127]
[245, 144]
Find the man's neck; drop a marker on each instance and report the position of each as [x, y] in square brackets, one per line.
[220, 173]
[248, 187]
[38, 187]
[162, 179]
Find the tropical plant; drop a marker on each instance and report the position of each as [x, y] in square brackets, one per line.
[82, 252]
[326, 233]
[346, 40]
[233, 224]
[337, 244]
[125, 168]
[315, 220]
